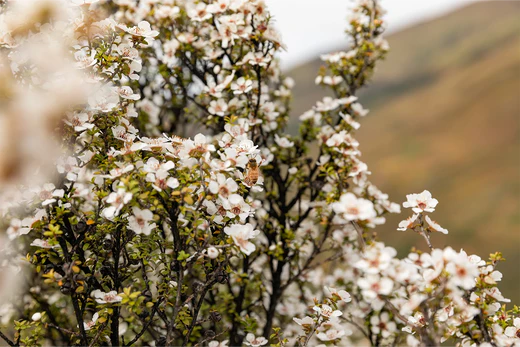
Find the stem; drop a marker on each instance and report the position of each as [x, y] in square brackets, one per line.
[427, 238]
[6, 339]
[308, 337]
[79, 319]
[147, 324]
[100, 331]
[275, 296]
[424, 232]
[197, 309]
[362, 243]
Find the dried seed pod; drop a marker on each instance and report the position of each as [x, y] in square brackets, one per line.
[66, 288]
[222, 277]
[108, 244]
[214, 316]
[81, 226]
[209, 334]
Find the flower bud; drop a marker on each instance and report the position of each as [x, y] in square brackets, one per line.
[213, 252]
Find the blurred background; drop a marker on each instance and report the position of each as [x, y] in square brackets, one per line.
[444, 113]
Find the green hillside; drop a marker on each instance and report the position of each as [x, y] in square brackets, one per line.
[445, 116]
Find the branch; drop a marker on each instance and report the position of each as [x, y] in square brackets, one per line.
[145, 327]
[6, 339]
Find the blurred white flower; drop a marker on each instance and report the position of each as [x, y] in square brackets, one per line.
[251, 340]
[352, 208]
[408, 223]
[283, 142]
[434, 226]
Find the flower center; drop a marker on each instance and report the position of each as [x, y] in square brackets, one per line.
[353, 210]
[109, 297]
[224, 191]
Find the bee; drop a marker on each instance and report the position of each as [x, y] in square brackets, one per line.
[252, 172]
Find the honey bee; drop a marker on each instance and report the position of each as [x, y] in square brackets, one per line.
[252, 172]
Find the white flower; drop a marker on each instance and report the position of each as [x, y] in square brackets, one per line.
[382, 325]
[358, 109]
[408, 223]
[283, 142]
[117, 200]
[105, 298]
[161, 179]
[142, 29]
[377, 257]
[90, 324]
[236, 206]
[257, 58]
[36, 317]
[140, 221]
[433, 263]
[241, 86]
[218, 108]
[329, 80]
[223, 186]
[241, 235]
[68, 166]
[216, 90]
[218, 6]
[215, 343]
[199, 12]
[127, 93]
[350, 121]
[331, 334]
[103, 100]
[327, 104]
[351, 208]
[514, 331]
[18, 227]
[464, 273]
[434, 226]
[42, 244]
[327, 311]
[83, 2]
[337, 139]
[251, 340]
[154, 165]
[421, 202]
[80, 121]
[196, 147]
[304, 322]
[83, 60]
[373, 285]
[119, 171]
[48, 194]
[341, 295]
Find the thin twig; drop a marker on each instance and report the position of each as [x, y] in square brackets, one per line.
[6, 339]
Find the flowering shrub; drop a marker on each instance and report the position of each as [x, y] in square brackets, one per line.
[180, 213]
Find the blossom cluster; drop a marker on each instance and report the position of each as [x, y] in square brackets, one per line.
[180, 212]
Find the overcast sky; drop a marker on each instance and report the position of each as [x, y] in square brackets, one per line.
[311, 27]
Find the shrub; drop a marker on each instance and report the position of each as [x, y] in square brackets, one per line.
[180, 212]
